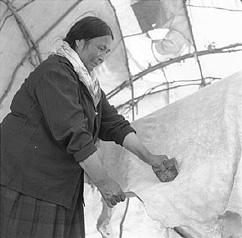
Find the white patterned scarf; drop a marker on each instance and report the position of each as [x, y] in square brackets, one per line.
[91, 82]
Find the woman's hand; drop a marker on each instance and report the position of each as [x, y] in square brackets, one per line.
[156, 160]
[167, 171]
[164, 168]
[111, 192]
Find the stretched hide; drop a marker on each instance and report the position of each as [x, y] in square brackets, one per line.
[203, 132]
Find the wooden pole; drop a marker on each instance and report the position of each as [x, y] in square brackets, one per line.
[126, 62]
[203, 83]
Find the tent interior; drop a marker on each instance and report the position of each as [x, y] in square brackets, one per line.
[175, 72]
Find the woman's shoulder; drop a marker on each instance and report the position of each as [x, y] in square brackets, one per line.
[54, 67]
[56, 62]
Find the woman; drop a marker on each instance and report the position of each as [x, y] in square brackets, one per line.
[49, 139]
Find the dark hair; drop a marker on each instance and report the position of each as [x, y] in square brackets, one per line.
[87, 28]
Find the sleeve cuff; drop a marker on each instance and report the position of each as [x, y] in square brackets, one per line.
[85, 152]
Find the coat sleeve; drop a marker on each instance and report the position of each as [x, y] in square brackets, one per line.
[114, 127]
[57, 92]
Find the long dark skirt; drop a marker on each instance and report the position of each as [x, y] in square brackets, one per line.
[27, 217]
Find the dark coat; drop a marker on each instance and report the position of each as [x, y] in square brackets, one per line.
[52, 126]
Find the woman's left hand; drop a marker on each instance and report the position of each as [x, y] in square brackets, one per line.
[157, 160]
[165, 169]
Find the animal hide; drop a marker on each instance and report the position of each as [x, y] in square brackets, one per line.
[203, 132]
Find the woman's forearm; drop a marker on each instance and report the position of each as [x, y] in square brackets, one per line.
[164, 168]
[133, 144]
[110, 190]
[94, 169]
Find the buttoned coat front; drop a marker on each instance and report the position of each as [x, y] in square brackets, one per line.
[52, 126]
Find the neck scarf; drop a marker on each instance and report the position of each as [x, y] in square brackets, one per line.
[89, 80]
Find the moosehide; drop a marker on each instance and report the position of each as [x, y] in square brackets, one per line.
[203, 132]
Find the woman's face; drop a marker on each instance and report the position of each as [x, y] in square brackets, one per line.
[93, 52]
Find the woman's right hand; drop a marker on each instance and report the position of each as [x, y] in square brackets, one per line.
[111, 191]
